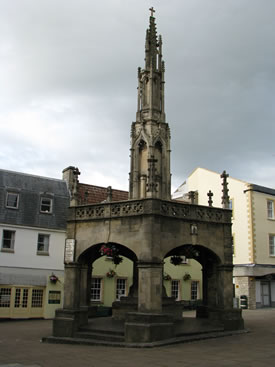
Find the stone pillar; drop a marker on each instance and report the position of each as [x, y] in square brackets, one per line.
[149, 324]
[150, 287]
[224, 313]
[225, 286]
[68, 319]
[71, 286]
[84, 301]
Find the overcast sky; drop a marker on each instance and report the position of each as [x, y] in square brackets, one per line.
[68, 78]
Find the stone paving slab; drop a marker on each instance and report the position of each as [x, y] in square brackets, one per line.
[20, 346]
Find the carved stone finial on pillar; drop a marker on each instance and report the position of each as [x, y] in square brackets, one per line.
[109, 193]
[191, 195]
[225, 196]
[74, 199]
[210, 195]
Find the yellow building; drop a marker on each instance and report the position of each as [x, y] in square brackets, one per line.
[110, 282]
[253, 228]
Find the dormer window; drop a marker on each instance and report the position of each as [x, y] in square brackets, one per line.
[46, 205]
[12, 200]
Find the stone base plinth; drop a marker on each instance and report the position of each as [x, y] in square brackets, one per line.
[130, 304]
[67, 322]
[146, 327]
[231, 319]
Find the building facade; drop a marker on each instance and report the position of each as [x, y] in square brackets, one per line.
[32, 228]
[253, 230]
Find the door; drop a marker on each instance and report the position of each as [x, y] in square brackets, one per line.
[265, 292]
[20, 301]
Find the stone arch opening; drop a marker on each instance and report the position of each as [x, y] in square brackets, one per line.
[107, 281]
[209, 278]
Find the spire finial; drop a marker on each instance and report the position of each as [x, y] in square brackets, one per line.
[152, 10]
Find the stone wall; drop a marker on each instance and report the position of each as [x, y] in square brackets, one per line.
[246, 286]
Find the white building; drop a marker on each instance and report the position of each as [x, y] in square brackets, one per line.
[32, 234]
[253, 228]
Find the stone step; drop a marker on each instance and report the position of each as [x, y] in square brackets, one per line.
[102, 335]
[102, 331]
[176, 340]
[191, 333]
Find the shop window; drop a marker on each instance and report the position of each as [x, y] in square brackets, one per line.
[5, 297]
[37, 298]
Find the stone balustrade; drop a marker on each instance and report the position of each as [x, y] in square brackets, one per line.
[149, 206]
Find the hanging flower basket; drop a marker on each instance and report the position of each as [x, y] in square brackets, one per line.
[53, 278]
[166, 277]
[117, 259]
[186, 277]
[106, 250]
[111, 273]
[112, 252]
[176, 260]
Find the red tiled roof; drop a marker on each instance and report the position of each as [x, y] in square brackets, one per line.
[90, 194]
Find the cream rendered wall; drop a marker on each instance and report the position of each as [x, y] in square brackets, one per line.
[123, 270]
[25, 247]
[177, 272]
[203, 180]
[262, 228]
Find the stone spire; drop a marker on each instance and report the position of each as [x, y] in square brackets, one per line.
[150, 134]
[151, 78]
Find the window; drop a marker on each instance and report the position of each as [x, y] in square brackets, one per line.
[43, 243]
[270, 209]
[5, 297]
[12, 200]
[8, 240]
[46, 205]
[231, 206]
[37, 298]
[272, 245]
[120, 288]
[96, 289]
[194, 290]
[175, 289]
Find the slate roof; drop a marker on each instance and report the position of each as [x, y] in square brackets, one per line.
[90, 194]
[262, 189]
[30, 189]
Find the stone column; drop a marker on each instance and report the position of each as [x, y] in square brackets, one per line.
[225, 286]
[150, 287]
[71, 286]
[84, 301]
[230, 318]
[149, 324]
[68, 319]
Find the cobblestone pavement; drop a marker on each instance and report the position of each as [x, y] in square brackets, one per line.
[20, 346]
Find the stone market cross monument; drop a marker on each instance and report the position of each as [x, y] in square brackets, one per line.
[147, 228]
